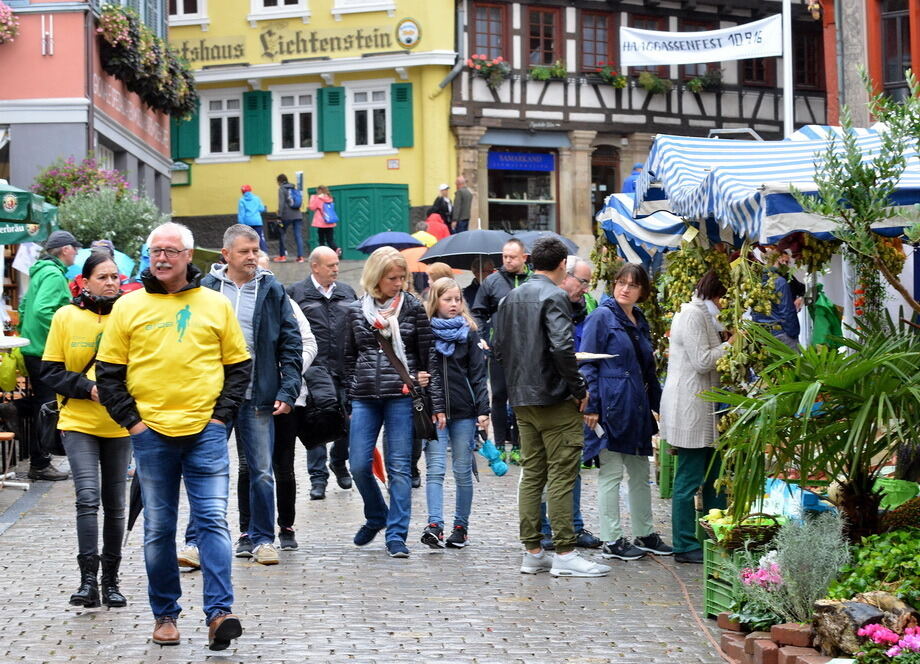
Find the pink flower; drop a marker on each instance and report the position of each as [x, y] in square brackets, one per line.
[879, 634]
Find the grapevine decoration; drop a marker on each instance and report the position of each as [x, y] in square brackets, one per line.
[816, 254]
[605, 260]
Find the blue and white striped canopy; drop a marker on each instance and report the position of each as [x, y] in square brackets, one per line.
[640, 240]
[746, 185]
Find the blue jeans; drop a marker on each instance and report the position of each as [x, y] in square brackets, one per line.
[367, 416]
[255, 443]
[204, 463]
[577, 521]
[459, 435]
[294, 225]
[263, 245]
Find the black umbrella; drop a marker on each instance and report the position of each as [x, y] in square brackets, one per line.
[460, 250]
[529, 237]
[135, 504]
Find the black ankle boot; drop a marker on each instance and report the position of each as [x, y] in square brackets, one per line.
[88, 594]
[111, 595]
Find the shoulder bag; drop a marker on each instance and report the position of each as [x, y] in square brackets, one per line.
[421, 413]
[48, 416]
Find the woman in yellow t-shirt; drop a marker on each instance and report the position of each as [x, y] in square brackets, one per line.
[92, 439]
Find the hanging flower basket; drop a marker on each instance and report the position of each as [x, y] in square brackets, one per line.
[494, 71]
[610, 76]
[9, 24]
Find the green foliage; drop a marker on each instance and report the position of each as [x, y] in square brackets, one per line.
[889, 562]
[756, 615]
[494, 70]
[826, 413]
[68, 178]
[126, 220]
[711, 81]
[807, 556]
[546, 72]
[653, 83]
[610, 76]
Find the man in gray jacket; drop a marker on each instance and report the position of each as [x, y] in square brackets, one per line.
[548, 395]
[463, 203]
[289, 216]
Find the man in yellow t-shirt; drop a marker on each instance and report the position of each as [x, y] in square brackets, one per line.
[173, 369]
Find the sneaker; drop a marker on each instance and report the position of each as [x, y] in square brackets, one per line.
[622, 549]
[244, 547]
[280, 259]
[300, 259]
[365, 535]
[286, 539]
[48, 474]
[694, 557]
[515, 456]
[397, 549]
[572, 564]
[585, 539]
[433, 536]
[534, 563]
[188, 557]
[266, 554]
[458, 538]
[653, 544]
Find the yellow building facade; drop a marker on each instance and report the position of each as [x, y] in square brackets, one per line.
[347, 93]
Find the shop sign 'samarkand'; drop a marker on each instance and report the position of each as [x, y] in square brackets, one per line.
[279, 41]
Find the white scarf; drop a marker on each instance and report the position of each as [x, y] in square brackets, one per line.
[372, 310]
[714, 312]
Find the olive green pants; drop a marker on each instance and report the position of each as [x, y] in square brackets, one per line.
[552, 438]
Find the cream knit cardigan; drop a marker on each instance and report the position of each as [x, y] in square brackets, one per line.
[685, 419]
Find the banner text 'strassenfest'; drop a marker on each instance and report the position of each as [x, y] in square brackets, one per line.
[279, 42]
[759, 39]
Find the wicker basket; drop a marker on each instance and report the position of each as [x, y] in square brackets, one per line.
[758, 534]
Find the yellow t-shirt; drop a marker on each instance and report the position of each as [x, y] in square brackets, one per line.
[175, 347]
[72, 339]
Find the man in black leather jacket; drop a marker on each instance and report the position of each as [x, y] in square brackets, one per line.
[536, 348]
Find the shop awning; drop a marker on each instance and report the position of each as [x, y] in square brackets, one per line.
[746, 185]
[24, 216]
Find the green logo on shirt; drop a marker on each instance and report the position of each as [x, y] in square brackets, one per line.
[183, 316]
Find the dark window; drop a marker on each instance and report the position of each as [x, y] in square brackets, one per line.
[689, 71]
[895, 46]
[808, 65]
[658, 23]
[183, 7]
[280, 3]
[598, 40]
[758, 71]
[488, 30]
[543, 42]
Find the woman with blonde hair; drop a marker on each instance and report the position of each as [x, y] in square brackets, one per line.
[463, 372]
[324, 229]
[387, 315]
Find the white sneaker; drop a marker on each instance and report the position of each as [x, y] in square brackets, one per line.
[575, 565]
[266, 554]
[188, 557]
[532, 564]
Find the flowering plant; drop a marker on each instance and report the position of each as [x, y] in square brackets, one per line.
[494, 71]
[64, 179]
[609, 75]
[766, 575]
[9, 24]
[885, 645]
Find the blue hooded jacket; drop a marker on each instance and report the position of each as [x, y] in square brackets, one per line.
[250, 209]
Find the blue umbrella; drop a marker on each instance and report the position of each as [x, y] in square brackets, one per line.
[124, 262]
[393, 239]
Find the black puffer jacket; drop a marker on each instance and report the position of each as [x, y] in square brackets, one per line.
[464, 375]
[368, 372]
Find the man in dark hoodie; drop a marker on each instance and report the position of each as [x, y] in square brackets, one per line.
[173, 368]
[273, 338]
[290, 217]
[511, 274]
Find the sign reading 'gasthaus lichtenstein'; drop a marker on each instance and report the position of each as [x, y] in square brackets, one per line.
[281, 42]
[758, 39]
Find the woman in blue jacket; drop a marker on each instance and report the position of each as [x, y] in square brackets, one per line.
[623, 390]
[249, 212]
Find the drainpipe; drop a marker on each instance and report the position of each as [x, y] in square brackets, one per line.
[90, 37]
[461, 48]
[838, 36]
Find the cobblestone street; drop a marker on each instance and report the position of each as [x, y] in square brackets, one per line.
[332, 602]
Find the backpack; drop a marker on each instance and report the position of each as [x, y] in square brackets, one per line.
[329, 213]
[294, 198]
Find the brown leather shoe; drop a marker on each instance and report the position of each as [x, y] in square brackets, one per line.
[165, 633]
[223, 630]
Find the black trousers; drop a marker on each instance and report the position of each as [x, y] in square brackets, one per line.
[41, 393]
[503, 424]
[326, 236]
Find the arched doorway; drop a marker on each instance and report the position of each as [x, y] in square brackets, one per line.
[605, 168]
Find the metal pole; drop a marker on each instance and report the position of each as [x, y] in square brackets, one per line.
[788, 92]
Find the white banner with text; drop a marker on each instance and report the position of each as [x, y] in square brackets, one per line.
[758, 39]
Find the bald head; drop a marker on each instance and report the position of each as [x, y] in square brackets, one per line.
[324, 265]
[461, 181]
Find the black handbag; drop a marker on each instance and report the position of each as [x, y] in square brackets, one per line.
[49, 435]
[323, 417]
[421, 412]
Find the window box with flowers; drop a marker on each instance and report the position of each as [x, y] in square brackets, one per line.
[132, 53]
[653, 83]
[555, 71]
[494, 70]
[609, 75]
[711, 81]
[9, 24]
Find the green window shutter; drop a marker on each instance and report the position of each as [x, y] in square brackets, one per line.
[331, 119]
[257, 122]
[401, 112]
[183, 137]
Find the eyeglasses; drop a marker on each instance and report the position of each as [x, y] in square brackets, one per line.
[627, 285]
[167, 251]
[583, 282]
